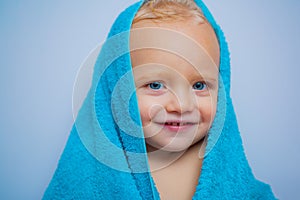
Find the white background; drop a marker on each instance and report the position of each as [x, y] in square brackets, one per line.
[43, 43]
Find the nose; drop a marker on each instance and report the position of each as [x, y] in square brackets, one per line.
[180, 101]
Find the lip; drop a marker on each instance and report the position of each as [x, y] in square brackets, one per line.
[177, 126]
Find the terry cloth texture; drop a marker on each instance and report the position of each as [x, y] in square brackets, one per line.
[105, 156]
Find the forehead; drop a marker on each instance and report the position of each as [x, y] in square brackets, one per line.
[158, 63]
[174, 45]
[187, 39]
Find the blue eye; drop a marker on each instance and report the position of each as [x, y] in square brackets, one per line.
[156, 85]
[199, 86]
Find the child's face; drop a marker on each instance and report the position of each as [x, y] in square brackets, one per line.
[177, 96]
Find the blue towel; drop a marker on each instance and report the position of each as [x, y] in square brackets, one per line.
[105, 156]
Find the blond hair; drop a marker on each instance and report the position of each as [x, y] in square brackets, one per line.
[168, 10]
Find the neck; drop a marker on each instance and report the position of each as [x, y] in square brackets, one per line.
[159, 159]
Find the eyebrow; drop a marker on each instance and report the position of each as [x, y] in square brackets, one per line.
[145, 76]
[203, 78]
[192, 78]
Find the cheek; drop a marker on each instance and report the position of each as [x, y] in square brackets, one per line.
[149, 109]
[143, 107]
[207, 109]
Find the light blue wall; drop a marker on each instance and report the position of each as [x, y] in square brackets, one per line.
[42, 45]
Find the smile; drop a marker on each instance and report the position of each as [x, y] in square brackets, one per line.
[177, 126]
[177, 123]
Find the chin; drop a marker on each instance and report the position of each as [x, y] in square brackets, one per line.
[175, 145]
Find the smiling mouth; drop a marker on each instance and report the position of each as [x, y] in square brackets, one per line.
[178, 123]
[176, 126]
